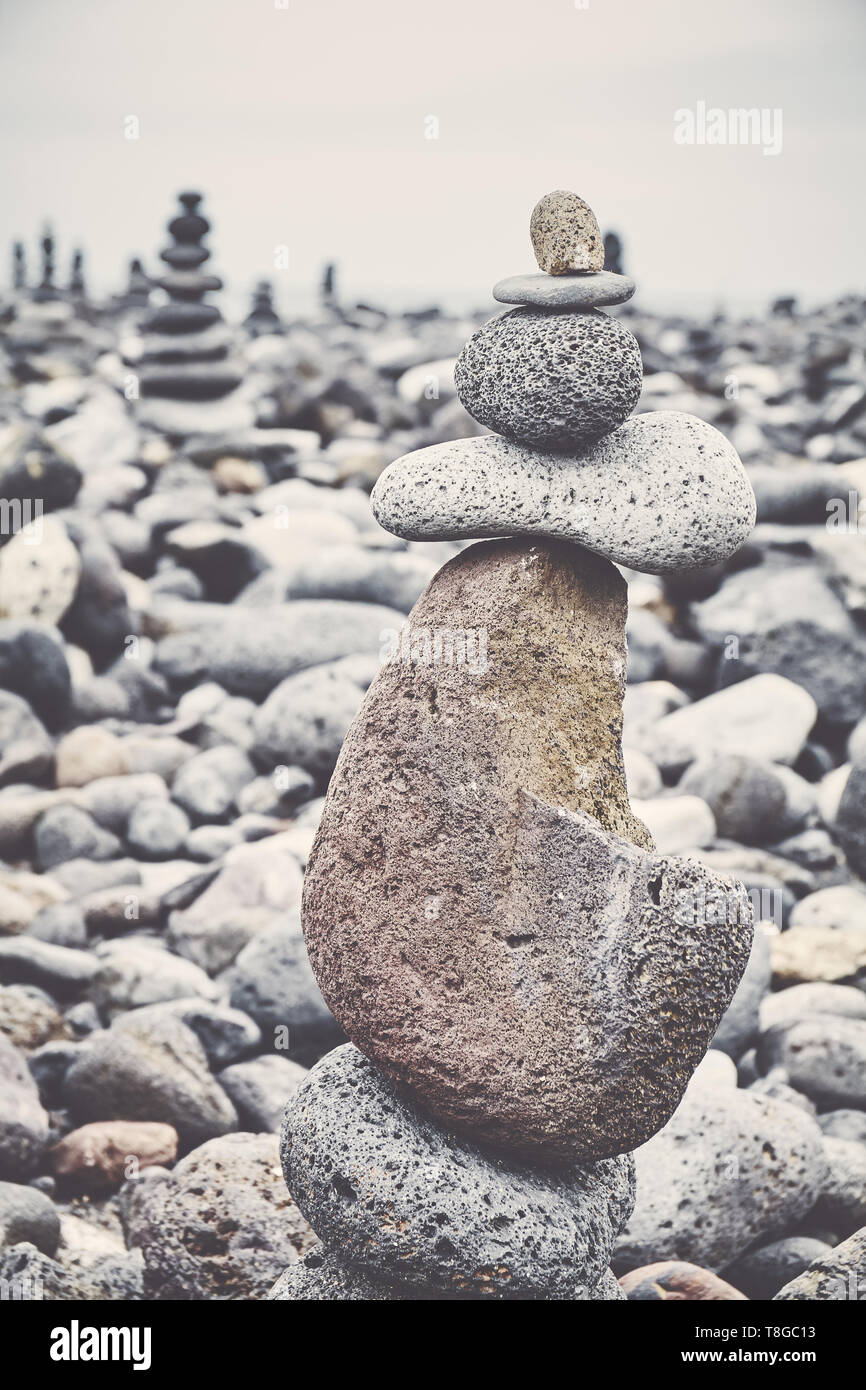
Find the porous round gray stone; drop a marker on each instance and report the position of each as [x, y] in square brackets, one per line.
[589, 290]
[554, 381]
[379, 1181]
[221, 1226]
[662, 493]
[33, 1277]
[824, 1056]
[730, 1169]
[321, 1278]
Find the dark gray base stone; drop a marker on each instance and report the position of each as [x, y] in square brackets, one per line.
[398, 1197]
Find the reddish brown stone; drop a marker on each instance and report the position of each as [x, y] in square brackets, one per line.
[675, 1281]
[103, 1154]
[481, 909]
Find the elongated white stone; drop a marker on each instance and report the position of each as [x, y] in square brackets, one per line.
[663, 492]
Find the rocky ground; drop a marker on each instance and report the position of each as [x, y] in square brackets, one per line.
[187, 630]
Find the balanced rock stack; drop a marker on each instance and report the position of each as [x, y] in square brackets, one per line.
[263, 318]
[19, 267]
[46, 289]
[526, 984]
[185, 356]
[137, 292]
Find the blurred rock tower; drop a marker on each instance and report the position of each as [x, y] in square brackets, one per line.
[188, 377]
[137, 293]
[263, 318]
[48, 329]
[526, 984]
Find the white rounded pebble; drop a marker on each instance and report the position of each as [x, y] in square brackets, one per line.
[677, 823]
[714, 1071]
[642, 777]
[766, 717]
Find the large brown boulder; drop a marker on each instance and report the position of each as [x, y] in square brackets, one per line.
[484, 914]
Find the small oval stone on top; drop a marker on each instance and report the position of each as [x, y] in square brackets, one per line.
[565, 234]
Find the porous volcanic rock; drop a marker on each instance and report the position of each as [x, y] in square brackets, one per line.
[551, 380]
[222, 1225]
[731, 1169]
[381, 1183]
[565, 234]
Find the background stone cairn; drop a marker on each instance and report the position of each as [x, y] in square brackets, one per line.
[527, 985]
[185, 354]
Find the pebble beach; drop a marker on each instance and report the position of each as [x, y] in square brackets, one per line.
[213, 535]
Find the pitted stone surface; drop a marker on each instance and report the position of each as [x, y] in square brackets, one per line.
[565, 234]
[730, 1170]
[320, 1277]
[398, 1197]
[537, 982]
[608, 1289]
[555, 381]
[221, 1225]
[590, 290]
[664, 492]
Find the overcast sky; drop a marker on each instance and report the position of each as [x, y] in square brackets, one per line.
[306, 126]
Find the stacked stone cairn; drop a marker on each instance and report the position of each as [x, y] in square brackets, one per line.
[137, 292]
[19, 267]
[46, 289]
[48, 330]
[77, 284]
[263, 319]
[185, 355]
[526, 984]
